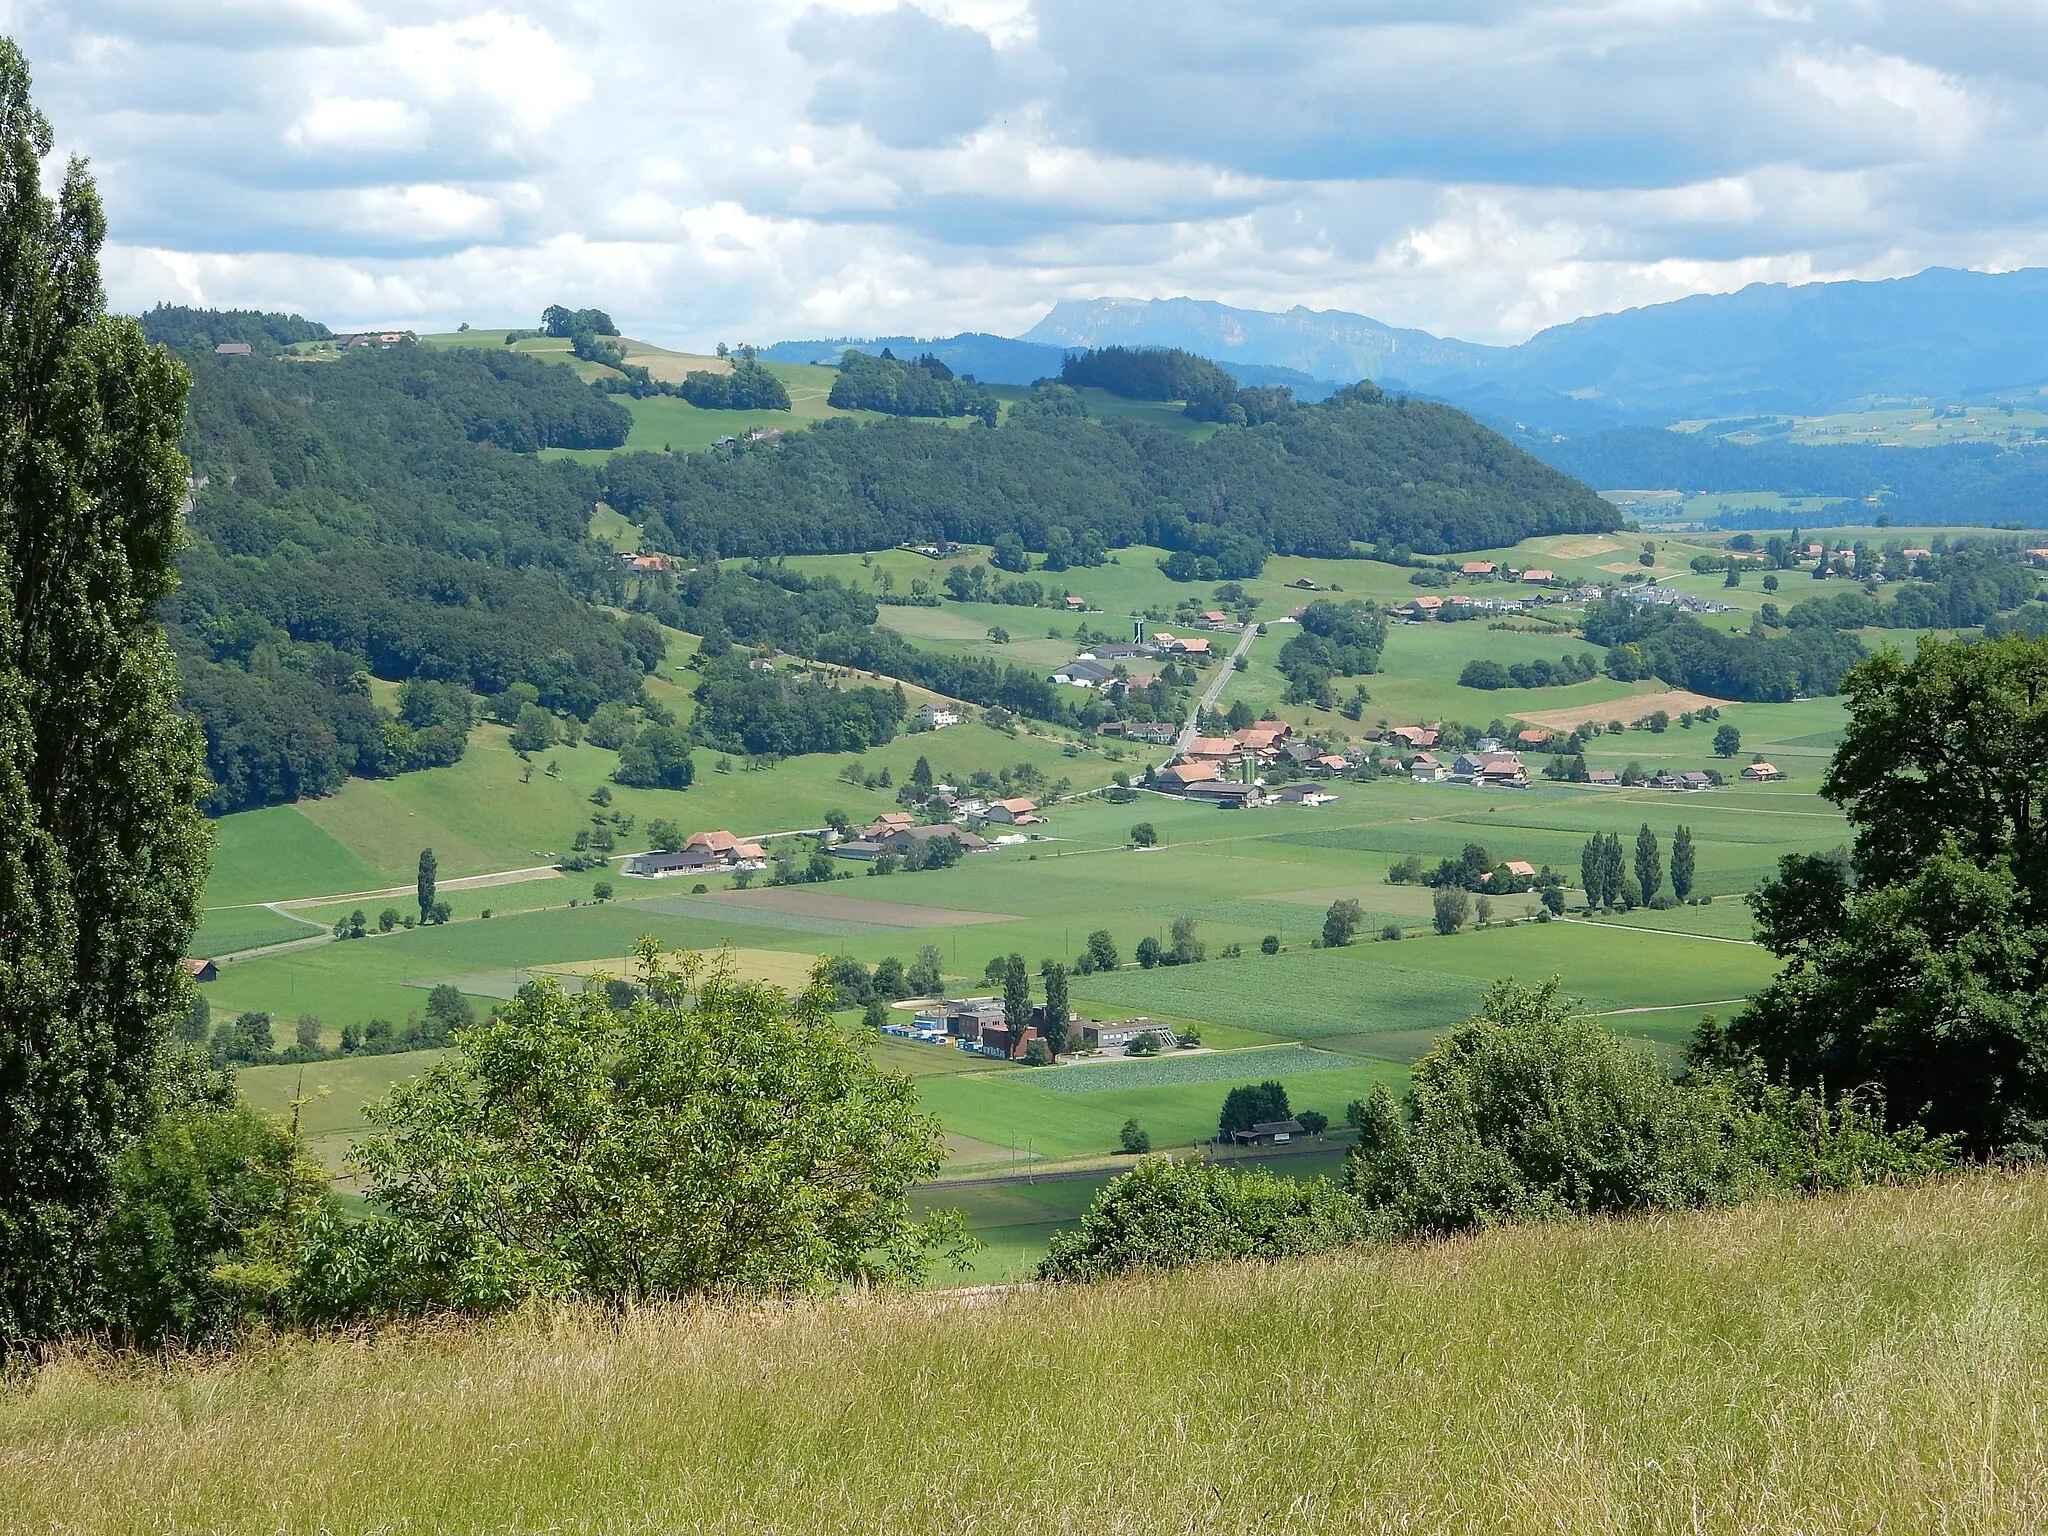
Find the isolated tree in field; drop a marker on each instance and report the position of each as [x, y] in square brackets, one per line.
[1144, 835]
[1250, 1105]
[1102, 950]
[1016, 998]
[1681, 863]
[1340, 923]
[1649, 864]
[1053, 977]
[1187, 949]
[1452, 906]
[1134, 1137]
[1148, 952]
[102, 848]
[429, 873]
[1727, 741]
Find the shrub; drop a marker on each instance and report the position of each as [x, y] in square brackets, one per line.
[1535, 1111]
[720, 1139]
[1270, 944]
[1164, 1214]
[1391, 931]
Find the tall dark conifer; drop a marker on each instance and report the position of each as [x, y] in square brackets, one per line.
[102, 848]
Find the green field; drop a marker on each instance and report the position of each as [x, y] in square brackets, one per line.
[1329, 1022]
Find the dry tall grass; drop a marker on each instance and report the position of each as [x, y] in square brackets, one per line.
[1876, 1363]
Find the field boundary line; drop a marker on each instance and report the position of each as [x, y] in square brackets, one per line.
[1673, 933]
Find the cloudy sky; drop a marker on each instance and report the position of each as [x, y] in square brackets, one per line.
[781, 168]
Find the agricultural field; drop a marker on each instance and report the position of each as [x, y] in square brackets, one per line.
[1898, 425]
[1329, 1023]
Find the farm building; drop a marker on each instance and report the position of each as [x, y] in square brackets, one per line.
[1301, 794]
[1015, 813]
[1117, 1035]
[932, 718]
[1762, 773]
[704, 850]
[903, 839]
[1181, 776]
[1226, 794]
[1269, 1133]
[202, 970]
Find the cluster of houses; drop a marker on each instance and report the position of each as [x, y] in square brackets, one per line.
[1222, 770]
[1094, 667]
[704, 852]
[980, 1025]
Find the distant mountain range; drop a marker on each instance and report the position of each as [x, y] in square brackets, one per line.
[1942, 334]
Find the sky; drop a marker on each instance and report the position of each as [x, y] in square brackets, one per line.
[782, 169]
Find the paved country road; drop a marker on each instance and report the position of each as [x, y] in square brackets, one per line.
[1210, 694]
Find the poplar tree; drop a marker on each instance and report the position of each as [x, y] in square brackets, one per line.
[1054, 976]
[102, 847]
[1649, 864]
[1016, 1000]
[1681, 863]
[429, 870]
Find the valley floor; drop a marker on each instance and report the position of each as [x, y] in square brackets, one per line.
[1866, 1363]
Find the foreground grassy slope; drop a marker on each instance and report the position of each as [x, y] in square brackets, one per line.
[1857, 1364]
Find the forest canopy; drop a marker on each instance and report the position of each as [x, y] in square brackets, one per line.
[1315, 480]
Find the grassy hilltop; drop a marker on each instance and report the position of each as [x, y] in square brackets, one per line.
[1867, 1363]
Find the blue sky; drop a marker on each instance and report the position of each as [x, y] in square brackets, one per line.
[765, 170]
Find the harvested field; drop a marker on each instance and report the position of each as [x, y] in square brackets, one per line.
[1576, 546]
[781, 967]
[1675, 702]
[797, 902]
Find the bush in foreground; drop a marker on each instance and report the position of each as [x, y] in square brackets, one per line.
[1164, 1214]
[1531, 1111]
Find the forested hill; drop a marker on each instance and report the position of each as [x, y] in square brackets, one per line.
[1299, 479]
[362, 518]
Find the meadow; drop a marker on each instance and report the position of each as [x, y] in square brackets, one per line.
[1855, 1363]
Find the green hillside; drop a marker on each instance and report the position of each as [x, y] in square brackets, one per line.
[1855, 1364]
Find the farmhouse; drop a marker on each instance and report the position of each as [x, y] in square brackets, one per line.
[1534, 738]
[1212, 748]
[1414, 736]
[1269, 1133]
[1604, 778]
[1263, 738]
[1015, 813]
[1536, 576]
[904, 839]
[1178, 779]
[1213, 620]
[1180, 645]
[887, 822]
[1476, 568]
[1422, 607]
[933, 718]
[1762, 773]
[1159, 732]
[1521, 869]
[1423, 768]
[232, 349]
